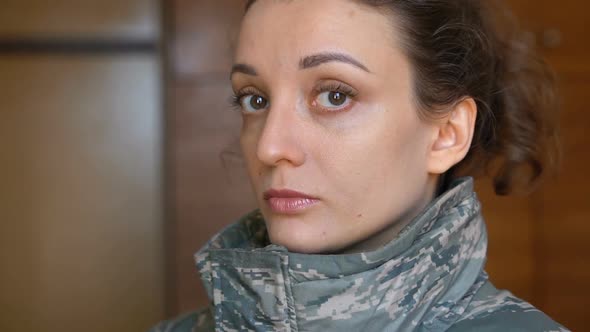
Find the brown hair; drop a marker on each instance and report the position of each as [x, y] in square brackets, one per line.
[473, 48]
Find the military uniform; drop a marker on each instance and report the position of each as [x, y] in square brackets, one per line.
[429, 278]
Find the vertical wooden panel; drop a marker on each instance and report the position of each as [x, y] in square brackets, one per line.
[211, 185]
[554, 240]
[208, 179]
[81, 234]
[564, 263]
[560, 208]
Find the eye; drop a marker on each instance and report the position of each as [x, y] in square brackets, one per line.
[334, 97]
[252, 103]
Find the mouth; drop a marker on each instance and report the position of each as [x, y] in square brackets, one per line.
[285, 201]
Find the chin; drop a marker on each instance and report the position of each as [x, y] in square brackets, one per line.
[297, 241]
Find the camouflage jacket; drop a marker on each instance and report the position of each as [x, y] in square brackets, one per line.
[429, 278]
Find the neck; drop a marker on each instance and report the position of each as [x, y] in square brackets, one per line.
[428, 274]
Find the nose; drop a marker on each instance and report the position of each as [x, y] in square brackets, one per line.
[281, 138]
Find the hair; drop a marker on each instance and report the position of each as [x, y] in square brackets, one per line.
[474, 49]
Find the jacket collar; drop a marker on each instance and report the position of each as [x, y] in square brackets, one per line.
[425, 276]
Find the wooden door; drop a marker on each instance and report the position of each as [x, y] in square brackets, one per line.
[81, 245]
[564, 203]
[537, 247]
[207, 182]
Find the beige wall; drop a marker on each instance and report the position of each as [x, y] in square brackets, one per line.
[81, 216]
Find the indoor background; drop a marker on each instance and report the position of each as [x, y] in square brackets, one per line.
[119, 159]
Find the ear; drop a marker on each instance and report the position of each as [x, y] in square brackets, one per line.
[452, 137]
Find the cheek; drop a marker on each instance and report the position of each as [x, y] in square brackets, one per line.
[249, 144]
[400, 161]
[378, 162]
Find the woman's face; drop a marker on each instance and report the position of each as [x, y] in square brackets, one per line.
[335, 149]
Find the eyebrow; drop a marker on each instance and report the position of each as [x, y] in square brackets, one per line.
[244, 69]
[322, 58]
[307, 62]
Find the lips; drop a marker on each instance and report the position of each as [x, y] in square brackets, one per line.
[287, 201]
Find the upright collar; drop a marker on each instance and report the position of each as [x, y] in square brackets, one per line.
[425, 277]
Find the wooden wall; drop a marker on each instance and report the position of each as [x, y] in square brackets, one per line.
[207, 183]
[538, 247]
[558, 215]
[81, 216]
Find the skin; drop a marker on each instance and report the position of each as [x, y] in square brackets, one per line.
[372, 163]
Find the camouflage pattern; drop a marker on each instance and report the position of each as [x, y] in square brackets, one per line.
[429, 278]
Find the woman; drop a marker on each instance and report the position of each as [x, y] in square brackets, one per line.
[359, 117]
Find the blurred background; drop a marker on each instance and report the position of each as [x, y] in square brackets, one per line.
[119, 159]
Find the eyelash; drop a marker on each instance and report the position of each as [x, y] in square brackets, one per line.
[236, 98]
[336, 87]
[339, 87]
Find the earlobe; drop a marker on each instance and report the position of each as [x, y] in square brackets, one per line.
[453, 136]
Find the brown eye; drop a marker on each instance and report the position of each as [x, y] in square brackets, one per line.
[253, 103]
[333, 100]
[337, 98]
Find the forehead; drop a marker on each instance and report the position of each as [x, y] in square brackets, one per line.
[285, 30]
